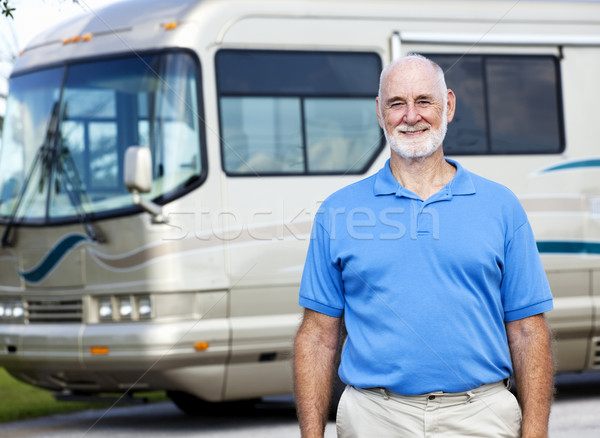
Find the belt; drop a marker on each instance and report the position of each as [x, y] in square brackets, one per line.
[496, 386]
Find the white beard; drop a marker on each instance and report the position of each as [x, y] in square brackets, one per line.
[418, 148]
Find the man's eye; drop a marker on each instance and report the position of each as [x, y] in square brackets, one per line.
[423, 102]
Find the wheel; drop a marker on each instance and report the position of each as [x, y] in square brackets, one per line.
[192, 405]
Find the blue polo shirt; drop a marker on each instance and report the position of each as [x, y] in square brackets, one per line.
[425, 287]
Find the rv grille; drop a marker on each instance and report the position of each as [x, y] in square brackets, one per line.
[54, 310]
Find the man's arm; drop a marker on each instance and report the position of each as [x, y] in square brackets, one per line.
[529, 340]
[314, 357]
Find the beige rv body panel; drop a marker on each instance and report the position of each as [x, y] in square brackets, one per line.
[224, 271]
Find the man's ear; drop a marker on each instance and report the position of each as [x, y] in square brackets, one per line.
[451, 105]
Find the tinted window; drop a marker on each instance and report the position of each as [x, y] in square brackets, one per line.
[505, 104]
[297, 112]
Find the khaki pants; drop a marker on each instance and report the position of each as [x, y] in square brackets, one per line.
[489, 411]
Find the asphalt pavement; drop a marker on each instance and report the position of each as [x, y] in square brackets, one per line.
[575, 414]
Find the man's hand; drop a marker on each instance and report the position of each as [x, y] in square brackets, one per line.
[314, 356]
[529, 340]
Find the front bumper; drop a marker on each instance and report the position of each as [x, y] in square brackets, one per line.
[134, 356]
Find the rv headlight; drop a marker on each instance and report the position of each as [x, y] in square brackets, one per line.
[17, 309]
[105, 308]
[144, 307]
[2, 306]
[125, 307]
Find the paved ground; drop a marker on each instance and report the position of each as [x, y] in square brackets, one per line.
[576, 414]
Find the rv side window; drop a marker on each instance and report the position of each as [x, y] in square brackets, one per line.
[505, 104]
[297, 112]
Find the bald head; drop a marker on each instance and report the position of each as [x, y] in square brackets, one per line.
[412, 64]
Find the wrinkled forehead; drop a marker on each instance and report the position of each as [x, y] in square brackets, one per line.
[410, 79]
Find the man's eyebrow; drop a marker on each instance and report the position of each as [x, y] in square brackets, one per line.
[425, 97]
[394, 99]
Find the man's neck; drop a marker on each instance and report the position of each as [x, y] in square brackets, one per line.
[424, 177]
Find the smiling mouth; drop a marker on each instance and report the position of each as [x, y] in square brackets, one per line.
[416, 129]
[412, 130]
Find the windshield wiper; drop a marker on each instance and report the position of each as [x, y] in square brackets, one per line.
[75, 190]
[40, 156]
[53, 157]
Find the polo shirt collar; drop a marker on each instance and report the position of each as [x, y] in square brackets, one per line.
[386, 184]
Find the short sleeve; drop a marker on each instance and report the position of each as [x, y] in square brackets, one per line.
[525, 289]
[321, 288]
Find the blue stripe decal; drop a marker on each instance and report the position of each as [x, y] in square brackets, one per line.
[54, 256]
[594, 162]
[565, 247]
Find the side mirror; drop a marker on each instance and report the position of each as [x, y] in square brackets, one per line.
[138, 169]
[138, 179]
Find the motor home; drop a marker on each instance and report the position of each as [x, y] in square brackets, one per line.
[162, 162]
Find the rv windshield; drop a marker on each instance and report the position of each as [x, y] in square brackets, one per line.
[67, 128]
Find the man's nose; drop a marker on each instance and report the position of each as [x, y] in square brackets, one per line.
[411, 116]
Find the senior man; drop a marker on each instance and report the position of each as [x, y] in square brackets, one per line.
[436, 273]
